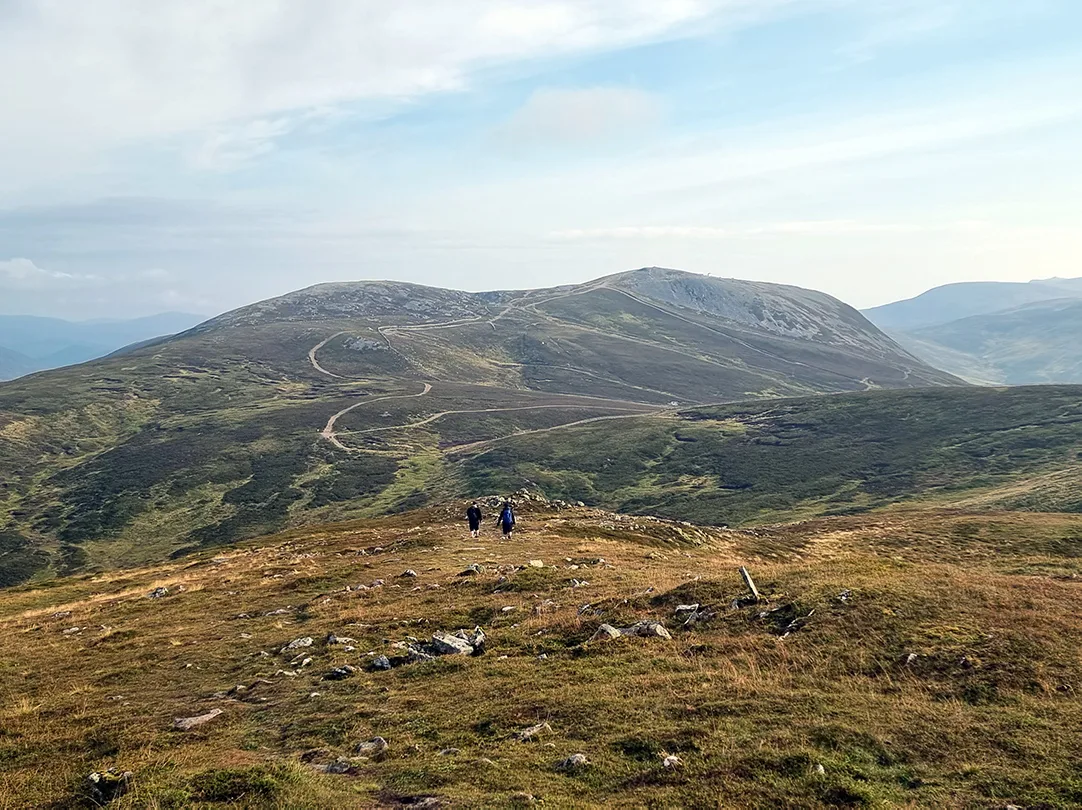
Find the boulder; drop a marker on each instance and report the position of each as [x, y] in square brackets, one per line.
[536, 564]
[526, 735]
[472, 570]
[102, 787]
[447, 644]
[575, 762]
[188, 723]
[297, 644]
[380, 664]
[375, 749]
[158, 593]
[605, 632]
[409, 573]
[340, 673]
[646, 629]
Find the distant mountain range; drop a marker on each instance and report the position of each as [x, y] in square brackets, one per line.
[993, 332]
[29, 344]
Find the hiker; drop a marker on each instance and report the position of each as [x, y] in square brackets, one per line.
[474, 516]
[507, 519]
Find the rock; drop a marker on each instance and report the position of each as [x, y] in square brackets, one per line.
[409, 573]
[63, 614]
[508, 609]
[188, 723]
[845, 595]
[574, 762]
[297, 644]
[333, 639]
[71, 631]
[911, 658]
[158, 593]
[375, 749]
[476, 639]
[687, 608]
[380, 664]
[472, 570]
[102, 787]
[605, 632]
[526, 735]
[340, 673]
[342, 765]
[449, 752]
[671, 762]
[646, 629]
[536, 564]
[446, 644]
[819, 769]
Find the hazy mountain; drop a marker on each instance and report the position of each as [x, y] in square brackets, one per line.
[345, 400]
[46, 343]
[1035, 343]
[954, 301]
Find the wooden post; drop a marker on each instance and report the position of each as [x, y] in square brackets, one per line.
[750, 583]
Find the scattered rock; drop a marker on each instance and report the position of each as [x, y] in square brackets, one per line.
[158, 593]
[526, 735]
[279, 612]
[671, 762]
[188, 723]
[643, 629]
[380, 664]
[340, 673]
[102, 787]
[374, 749]
[687, 608]
[536, 564]
[508, 609]
[342, 766]
[63, 614]
[911, 658]
[71, 631]
[409, 573]
[845, 595]
[446, 644]
[605, 632]
[574, 762]
[333, 639]
[819, 769]
[472, 570]
[297, 644]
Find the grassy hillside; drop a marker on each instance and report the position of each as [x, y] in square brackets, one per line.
[342, 401]
[734, 464]
[1037, 343]
[922, 659]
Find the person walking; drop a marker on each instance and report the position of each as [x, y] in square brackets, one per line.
[507, 519]
[474, 516]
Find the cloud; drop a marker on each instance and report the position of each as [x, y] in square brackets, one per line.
[23, 274]
[576, 116]
[115, 75]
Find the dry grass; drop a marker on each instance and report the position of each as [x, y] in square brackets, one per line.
[986, 715]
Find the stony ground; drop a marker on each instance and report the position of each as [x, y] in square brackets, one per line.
[904, 659]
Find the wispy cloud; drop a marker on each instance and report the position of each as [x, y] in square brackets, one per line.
[575, 116]
[22, 274]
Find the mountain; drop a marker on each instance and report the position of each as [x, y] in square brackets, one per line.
[345, 400]
[1035, 343]
[894, 661]
[952, 302]
[13, 364]
[47, 343]
[993, 333]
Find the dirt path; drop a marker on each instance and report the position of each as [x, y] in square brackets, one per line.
[315, 362]
[436, 417]
[328, 431]
[486, 443]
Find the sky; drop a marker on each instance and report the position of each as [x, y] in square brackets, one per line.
[198, 155]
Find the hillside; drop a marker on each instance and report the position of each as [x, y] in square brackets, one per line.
[45, 343]
[755, 462]
[1035, 343]
[919, 659]
[343, 400]
[952, 302]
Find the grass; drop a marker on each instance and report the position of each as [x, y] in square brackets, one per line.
[986, 714]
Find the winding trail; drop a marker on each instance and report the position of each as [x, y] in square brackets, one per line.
[315, 350]
[328, 432]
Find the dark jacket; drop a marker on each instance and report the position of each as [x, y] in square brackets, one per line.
[474, 516]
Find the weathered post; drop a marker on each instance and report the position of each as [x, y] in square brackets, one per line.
[750, 583]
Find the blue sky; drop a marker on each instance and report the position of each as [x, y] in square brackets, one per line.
[195, 155]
